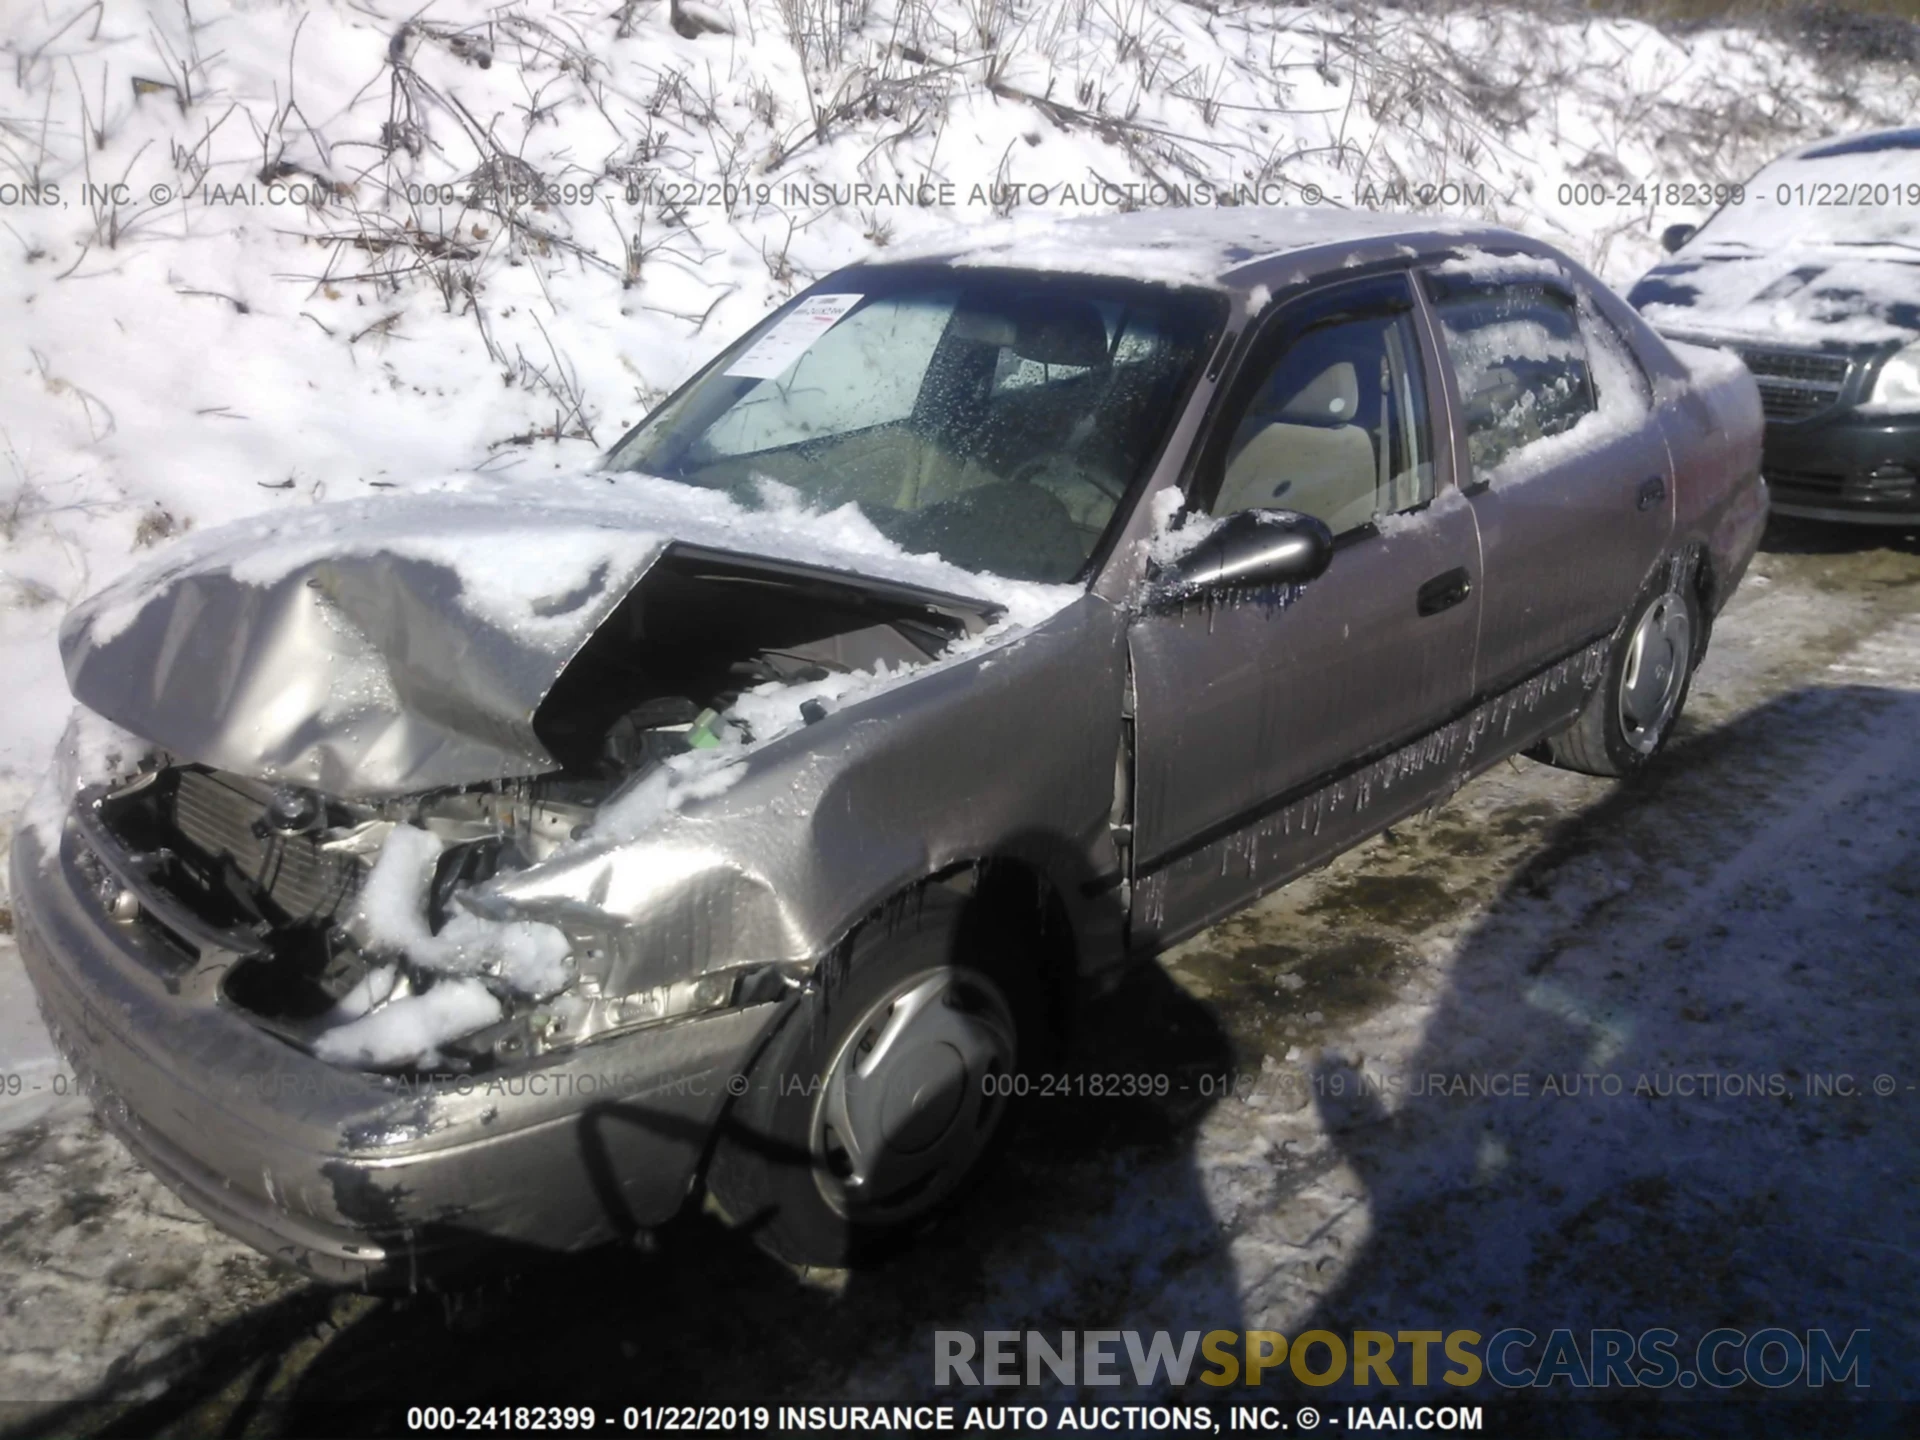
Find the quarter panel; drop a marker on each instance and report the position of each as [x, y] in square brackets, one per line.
[1714, 428]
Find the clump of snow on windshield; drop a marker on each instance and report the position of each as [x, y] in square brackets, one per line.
[411, 1030]
[523, 956]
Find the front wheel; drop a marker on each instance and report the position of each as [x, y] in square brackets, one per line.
[1628, 718]
[878, 1100]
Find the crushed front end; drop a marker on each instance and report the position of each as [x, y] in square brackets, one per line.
[192, 1048]
[367, 1031]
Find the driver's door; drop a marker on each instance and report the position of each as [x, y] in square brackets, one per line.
[1273, 729]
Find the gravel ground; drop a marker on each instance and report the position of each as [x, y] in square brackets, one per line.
[1747, 910]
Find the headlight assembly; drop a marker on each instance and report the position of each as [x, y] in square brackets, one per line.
[1898, 384]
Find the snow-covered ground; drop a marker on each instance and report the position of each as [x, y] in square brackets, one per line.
[1746, 913]
[183, 344]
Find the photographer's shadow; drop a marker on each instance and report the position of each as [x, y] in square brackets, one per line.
[1715, 937]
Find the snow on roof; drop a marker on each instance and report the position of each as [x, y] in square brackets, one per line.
[1870, 142]
[1192, 246]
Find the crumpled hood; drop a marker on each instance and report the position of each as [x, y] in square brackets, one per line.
[1801, 296]
[356, 648]
[378, 647]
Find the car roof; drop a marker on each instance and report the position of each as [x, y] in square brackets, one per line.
[1223, 247]
[1866, 142]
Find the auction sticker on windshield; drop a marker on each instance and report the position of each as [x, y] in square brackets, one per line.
[786, 342]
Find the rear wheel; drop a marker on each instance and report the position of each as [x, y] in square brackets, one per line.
[1630, 715]
[879, 1100]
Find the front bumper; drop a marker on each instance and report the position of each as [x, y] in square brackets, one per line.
[1846, 466]
[354, 1177]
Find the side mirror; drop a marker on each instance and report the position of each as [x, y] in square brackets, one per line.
[1247, 550]
[1674, 236]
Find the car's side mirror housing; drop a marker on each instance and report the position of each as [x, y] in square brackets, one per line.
[1674, 236]
[1248, 550]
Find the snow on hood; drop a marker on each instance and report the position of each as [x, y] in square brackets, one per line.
[1799, 295]
[383, 646]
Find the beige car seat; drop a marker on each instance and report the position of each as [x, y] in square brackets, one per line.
[1311, 457]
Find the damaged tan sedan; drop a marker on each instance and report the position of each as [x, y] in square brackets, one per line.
[508, 861]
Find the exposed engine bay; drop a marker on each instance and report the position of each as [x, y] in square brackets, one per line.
[343, 919]
[702, 628]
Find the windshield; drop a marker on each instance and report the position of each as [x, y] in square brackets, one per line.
[1861, 191]
[995, 419]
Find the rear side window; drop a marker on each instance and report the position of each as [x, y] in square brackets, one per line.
[1522, 362]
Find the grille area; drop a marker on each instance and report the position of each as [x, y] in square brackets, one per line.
[1795, 383]
[219, 820]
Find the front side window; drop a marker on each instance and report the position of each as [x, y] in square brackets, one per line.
[992, 418]
[1335, 426]
[1521, 362]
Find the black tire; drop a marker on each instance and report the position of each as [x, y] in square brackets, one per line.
[1649, 672]
[782, 1171]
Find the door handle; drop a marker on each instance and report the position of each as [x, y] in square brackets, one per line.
[1444, 591]
[1652, 491]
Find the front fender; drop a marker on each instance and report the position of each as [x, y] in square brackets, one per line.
[1004, 751]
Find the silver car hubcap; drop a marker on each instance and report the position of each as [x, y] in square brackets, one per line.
[911, 1098]
[1656, 671]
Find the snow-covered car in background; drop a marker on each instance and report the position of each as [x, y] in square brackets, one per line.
[1813, 279]
[503, 862]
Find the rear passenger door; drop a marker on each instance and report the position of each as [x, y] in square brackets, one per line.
[1559, 454]
[1270, 730]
